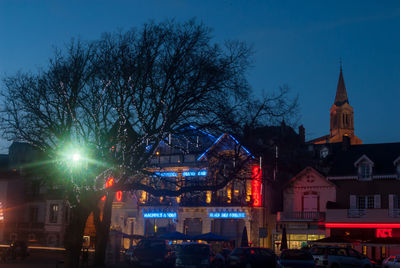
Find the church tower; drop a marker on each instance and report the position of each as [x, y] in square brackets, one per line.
[341, 118]
[342, 115]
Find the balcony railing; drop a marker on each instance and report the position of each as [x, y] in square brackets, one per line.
[395, 213]
[357, 213]
[382, 215]
[301, 216]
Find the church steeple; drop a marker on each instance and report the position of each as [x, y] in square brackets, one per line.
[341, 93]
[342, 115]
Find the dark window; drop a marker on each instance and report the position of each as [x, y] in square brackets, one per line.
[365, 171]
[364, 202]
[33, 214]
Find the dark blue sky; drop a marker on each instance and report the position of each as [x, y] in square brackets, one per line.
[298, 43]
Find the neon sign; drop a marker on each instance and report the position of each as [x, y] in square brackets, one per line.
[109, 183]
[256, 186]
[227, 215]
[167, 174]
[383, 233]
[1, 212]
[159, 215]
[363, 225]
[194, 173]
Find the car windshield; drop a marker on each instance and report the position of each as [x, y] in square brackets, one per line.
[154, 244]
[296, 255]
[317, 251]
[237, 252]
[194, 249]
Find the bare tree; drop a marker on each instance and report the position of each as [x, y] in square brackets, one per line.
[107, 98]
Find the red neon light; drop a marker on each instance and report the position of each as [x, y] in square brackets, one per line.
[384, 233]
[118, 195]
[363, 225]
[256, 186]
[109, 183]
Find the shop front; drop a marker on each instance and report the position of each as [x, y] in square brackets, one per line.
[375, 240]
[159, 221]
[298, 235]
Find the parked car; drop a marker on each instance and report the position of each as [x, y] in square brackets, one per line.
[194, 255]
[252, 257]
[391, 262]
[152, 253]
[296, 258]
[339, 257]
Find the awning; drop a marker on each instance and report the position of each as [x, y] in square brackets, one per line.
[210, 237]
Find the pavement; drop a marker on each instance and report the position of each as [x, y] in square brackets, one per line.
[48, 259]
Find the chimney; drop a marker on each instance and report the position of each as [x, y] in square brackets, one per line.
[302, 134]
[346, 143]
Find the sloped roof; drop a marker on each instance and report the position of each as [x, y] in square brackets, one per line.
[224, 142]
[341, 161]
[341, 93]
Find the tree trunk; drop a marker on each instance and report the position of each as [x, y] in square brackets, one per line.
[74, 235]
[102, 220]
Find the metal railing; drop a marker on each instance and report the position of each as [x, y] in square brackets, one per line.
[302, 215]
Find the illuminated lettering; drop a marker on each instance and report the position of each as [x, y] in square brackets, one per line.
[159, 215]
[256, 186]
[383, 233]
[227, 215]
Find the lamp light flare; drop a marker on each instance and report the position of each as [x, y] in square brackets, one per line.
[76, 157]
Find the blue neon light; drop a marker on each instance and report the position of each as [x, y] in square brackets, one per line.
[194, 173]
[227, 215]
[202, 173]
[202, 131]
[159, 215]
[189, 173]
[215, 142]
[167, 174]
[247, 151]
[235, 140]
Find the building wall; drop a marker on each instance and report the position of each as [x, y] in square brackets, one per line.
[348, 187]
[307, 182]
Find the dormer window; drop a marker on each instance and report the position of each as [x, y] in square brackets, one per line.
[364, 167]
[324, 152]
[397, 165]
[365, 171]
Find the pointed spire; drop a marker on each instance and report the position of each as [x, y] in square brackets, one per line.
[341, 93]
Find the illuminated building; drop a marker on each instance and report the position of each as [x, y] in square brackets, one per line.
[341, 118]
[224, 212]
[304, 206]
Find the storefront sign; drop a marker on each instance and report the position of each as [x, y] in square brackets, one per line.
[227, 215]
[256, 186]
[1, 212]
[159, 215]
[383, 233]
[192, 173]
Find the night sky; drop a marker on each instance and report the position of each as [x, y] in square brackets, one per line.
[298, 43]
